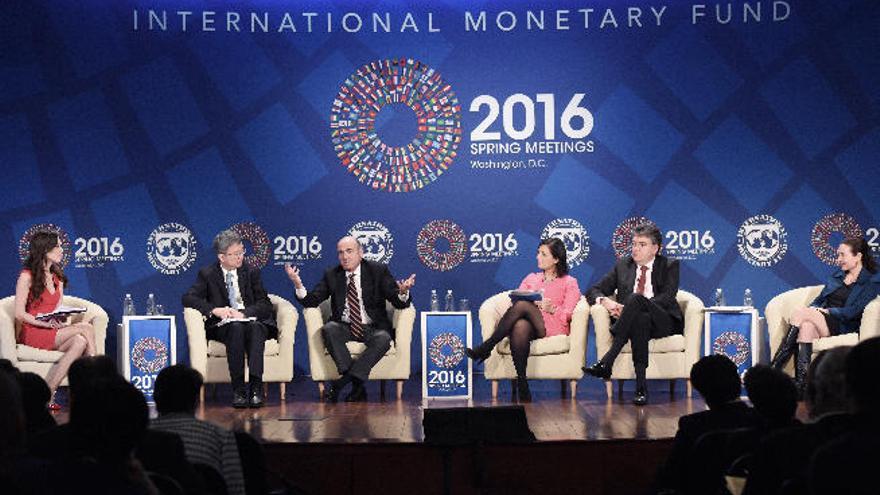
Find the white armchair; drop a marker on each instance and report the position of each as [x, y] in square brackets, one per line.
[209, 356]
[669, 358]
[394, 365]
[38, 361]
[559, 357]
[780, 308]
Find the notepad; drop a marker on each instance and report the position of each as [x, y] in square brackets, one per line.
[525, 295]
[224, 321]
[61, 312]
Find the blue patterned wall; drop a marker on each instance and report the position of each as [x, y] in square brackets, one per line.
[109, 129]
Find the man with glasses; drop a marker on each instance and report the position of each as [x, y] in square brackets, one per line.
[238, 313]
[644, 308]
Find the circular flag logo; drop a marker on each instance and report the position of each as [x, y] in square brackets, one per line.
[24, 243]
[621, 239]
[392, 86]
[839, 225]
[573, 235]
[441, 231]
[762, 240]
[171, 248]
[258, 254]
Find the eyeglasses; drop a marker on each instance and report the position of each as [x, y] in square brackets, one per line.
[237, 254]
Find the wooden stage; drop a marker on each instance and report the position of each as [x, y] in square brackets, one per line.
[584, 445]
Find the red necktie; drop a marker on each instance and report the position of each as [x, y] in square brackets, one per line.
[640, 287]
[354, 308]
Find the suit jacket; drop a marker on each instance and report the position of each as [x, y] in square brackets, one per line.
[377, 286]
[732, 415]
[864, 290]
[664, 280]
[209, 292]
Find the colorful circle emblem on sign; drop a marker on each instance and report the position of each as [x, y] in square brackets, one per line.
[426, 245]
[621, 239]
[733, 345]
[446, 350]
[24, 243]
[149, 355]
[259, 240]
[820, 237]
[360, 146]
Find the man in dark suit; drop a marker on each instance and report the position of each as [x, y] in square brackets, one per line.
[645, 308]
[717, 380]
[358, 289]
[238, 313]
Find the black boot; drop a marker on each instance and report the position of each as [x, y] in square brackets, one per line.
[805, 355]
[522, 390]
[786, 348]
[482, 351]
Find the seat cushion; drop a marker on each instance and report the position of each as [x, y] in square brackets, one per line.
[825, 343]
[217, 349]
[673, 343]
[358, 348]
[28, 353]
[557, 344]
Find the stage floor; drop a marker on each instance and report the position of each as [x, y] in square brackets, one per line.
[589, 416]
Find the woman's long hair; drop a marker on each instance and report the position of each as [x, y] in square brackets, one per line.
[860, 245]
[41, 243]
[557, 250]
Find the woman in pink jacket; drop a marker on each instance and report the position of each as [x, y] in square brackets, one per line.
[525, 321]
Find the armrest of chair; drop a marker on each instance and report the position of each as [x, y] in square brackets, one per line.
[602, 327]
[578, 336]
[491, 311]
[314, 321]
[95, 315]
[693, 329]
[8, 348]
[779, 310]
[870, 326]
[406, 320]
[286, 317]
[197, 339]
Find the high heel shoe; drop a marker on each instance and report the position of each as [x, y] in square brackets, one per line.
[786, 348]
[478, 354]
[522, 390]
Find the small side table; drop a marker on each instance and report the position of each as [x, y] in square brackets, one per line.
[734, 331]
[446, 370]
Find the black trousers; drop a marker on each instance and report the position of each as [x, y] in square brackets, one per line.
[640, 321]
[336, 334]
[242, 339]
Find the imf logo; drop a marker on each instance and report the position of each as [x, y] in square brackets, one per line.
[171, 248]
[376, 239]
[573, 235]
[762, 240]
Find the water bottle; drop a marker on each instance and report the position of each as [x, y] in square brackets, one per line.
[128, 306]
[151, 305]
[747, 298]
[450, 302]
[719, 297]
[435, 300]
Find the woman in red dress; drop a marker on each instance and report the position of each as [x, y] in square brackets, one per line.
[39, 289]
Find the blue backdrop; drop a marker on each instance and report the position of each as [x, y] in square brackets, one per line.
[302, 120]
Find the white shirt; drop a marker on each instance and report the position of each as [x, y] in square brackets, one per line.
[239, 302]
